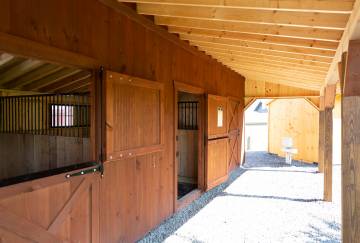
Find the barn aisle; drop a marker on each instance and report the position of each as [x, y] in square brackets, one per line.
[267, 202]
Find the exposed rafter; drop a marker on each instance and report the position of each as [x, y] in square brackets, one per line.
[290, 42]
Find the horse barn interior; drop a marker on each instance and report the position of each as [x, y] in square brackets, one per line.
[117, 115]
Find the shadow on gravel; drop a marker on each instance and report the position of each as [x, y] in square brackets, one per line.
[169, 226]
[270, 197]
[287, 171]
[321, 234]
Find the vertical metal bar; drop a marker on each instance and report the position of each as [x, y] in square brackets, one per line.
[62, 107]
[42, 115]
[37, 104]
[11, 115]
[178, 114]
[185, 115]
[53, 114]
[8, 114]
[66, 113]
[28, 114]
[196, 111]
[192, 114]
[2, 114]
[77, 117]
[33, 117]
[33, 114]
[16, 111]
[81, 117]
[57, 114]
[21, 115]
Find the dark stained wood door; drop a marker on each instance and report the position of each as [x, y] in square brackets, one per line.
[234, 126]
[52, 209]
[217, 141]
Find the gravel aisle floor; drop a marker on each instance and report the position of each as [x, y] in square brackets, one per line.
[265, 201]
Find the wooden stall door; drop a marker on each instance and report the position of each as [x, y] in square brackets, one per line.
[53, 209]
[217, 141]
[131, 189]
[234, 133]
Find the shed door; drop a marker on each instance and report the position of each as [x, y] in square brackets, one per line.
[217, 141]
[131, 189]
[53, 209]
[235, 125]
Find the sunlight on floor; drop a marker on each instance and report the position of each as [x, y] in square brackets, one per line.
[268, 204]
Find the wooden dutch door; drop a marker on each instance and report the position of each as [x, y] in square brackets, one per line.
[217, 141]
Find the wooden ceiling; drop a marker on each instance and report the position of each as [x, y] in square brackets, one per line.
[35, 76]
[291, 42]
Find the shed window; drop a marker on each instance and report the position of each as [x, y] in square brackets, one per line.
[62, 115]
[188, 115]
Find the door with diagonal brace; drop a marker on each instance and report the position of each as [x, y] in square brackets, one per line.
[52, 209]
[234, 128]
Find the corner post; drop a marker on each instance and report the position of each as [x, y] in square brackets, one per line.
[350, 167]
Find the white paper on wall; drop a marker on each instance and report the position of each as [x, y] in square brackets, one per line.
[220, 116]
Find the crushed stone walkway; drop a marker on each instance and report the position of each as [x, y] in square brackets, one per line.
[264, 201]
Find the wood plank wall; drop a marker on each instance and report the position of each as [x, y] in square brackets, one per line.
[22, 154]
[90, 28]
[298, 119]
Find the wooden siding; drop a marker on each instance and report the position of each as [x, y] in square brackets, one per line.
[262, 89]
[298, 119]
[137, 192]
[22, 154]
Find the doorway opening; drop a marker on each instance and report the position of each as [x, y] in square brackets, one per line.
[46, 115]
[188, 142]
[256, 126]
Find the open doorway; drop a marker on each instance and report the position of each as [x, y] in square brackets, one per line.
[256, 126]
[188, 143]
[45, 119]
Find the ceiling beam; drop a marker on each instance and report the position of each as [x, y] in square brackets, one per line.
[62, 83]
[39, 73]
[255, 56]
[260, 46]
[351, 32]
[20, 69]
[270, 53]
[81, 86]
[38, 84]
[312, 19]
[262, 68]
[303, 5]
[252, 28]
[285, 41]
[289, 67]
[5, 58]
[254, 75]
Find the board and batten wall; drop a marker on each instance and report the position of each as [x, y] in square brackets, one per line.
[298, 119]
[134, 196]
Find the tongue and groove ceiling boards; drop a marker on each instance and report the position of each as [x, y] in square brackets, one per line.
[290, 42]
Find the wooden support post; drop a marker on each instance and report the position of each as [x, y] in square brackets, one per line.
[329, 102]
[321, 134]
[327, 153]
[351, 146]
